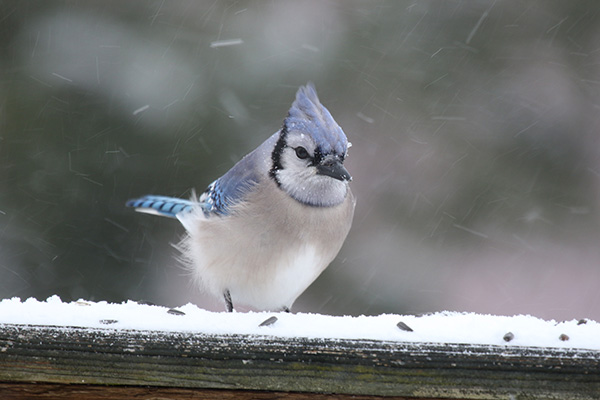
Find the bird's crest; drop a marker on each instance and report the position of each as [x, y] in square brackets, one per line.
[307, 115]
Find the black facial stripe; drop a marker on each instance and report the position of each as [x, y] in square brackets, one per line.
[318, 157]
[276, 154]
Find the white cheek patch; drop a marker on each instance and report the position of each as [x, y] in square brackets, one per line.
[308, 187]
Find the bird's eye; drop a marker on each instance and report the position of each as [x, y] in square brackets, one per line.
[301, 152]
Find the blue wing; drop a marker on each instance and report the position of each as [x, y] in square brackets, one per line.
[217, 199]
[231, 187]
[162, 205]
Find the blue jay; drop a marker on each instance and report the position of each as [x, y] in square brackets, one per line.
[264, 231]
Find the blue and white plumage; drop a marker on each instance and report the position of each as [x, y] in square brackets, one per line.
[264, 231]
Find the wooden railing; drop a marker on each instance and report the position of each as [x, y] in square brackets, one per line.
[42, 362]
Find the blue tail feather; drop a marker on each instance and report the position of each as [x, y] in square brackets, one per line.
[162, 205]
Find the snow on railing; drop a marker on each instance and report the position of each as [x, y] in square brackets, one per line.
[131, 346]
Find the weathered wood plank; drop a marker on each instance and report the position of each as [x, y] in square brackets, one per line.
[189, 360]
[46, 391]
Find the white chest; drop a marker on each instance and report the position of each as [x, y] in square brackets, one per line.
[291, 276]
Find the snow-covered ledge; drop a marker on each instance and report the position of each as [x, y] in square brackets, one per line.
[156, 349]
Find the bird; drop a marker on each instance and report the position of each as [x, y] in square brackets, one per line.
[264, 231]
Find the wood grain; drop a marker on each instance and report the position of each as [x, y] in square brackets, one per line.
[61, 355]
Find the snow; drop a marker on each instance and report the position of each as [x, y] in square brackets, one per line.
[442, 327]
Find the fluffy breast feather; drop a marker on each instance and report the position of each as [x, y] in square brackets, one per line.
[268, 250]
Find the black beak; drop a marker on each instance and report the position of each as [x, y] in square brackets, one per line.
[333, 167]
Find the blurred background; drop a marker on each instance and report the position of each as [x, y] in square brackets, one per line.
[475, 131]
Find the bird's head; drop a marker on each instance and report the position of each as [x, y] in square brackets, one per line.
[308, 158]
